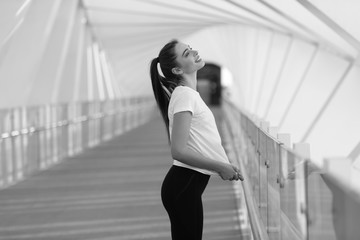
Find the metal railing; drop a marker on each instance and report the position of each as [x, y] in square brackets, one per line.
[287, 196]
[36, 137]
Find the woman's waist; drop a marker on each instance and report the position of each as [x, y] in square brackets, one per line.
[213, 152]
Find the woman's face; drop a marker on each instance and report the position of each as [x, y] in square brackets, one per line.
[188, 59]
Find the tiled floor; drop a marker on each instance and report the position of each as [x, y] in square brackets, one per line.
[110, 192]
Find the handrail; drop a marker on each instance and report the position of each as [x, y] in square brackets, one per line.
[35, 137]
[295, 199]
[257, 227]
[61, 123]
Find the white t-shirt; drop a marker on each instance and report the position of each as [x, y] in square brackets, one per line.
[204, 136]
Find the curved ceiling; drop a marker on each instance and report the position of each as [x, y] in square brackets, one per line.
[138, 22]
[135, 30]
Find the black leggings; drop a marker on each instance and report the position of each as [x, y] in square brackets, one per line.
[181, 195]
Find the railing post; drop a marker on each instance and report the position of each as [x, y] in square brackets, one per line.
[273, 131]
[303, 149]
[264, 125]
[285, 139]
[274, 210]
[263, 171]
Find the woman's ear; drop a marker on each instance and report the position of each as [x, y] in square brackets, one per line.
[177, 71]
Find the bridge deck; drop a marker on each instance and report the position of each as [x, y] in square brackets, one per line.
[109, 192]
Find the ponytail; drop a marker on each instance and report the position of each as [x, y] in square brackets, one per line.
[164, 84]
[161, 96]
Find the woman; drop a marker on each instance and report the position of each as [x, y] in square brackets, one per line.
[193, 136]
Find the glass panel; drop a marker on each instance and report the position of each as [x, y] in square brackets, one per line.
[32, 145]
[273, 189]
[345, 209]
[263, 177]
[85, 125]
[120, 117]
[8, 148]
[320, 208]
[3, 172]
[292, 197]
[78, 128]
[16, 144]
[253, 164]
[64, 130]
[34, 138]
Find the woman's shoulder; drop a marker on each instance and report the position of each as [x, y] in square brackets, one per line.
[183, 94]
[184, 90]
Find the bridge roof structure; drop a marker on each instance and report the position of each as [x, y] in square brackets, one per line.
[289, 59]
[294, 64]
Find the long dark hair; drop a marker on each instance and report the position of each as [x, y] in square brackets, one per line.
[163, 86]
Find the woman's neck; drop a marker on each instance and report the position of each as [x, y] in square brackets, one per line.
[190, 80]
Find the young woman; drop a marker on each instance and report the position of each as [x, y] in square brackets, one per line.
[193, 136]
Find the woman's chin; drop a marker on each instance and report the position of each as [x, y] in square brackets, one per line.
[201, 64]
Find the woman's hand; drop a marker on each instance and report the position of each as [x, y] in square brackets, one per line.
[238, 174]
[230, 172]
